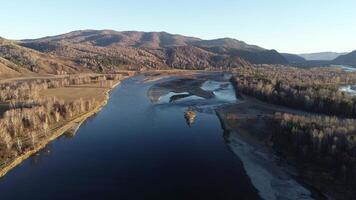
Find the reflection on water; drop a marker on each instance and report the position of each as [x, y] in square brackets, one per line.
[37, 158]
[69, 134]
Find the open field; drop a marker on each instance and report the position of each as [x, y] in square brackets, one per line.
[86, 92]
[96, 90]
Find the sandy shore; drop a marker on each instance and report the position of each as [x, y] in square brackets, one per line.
[56, 132]
[271, 180]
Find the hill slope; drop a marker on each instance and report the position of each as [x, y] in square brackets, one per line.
[293, 58]
[7, 72]
[321, 56]
[103, 50]
[348, 59]
[22, 61]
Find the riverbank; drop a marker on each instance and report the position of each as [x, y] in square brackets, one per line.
[247, 126]
[247, 133]
[57, 132]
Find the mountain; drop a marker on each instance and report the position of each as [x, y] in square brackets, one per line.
[321, 59]
[110, 38]
[17, 60]
[227, 43]
[321, 55]
[348, 59]
[105, 50]
[298, 61]
[260, 57]
[293, 58]
[6, 71]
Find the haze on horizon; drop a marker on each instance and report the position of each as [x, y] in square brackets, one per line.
[294, 27]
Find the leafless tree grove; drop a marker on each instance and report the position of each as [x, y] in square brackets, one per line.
[327, 141]
[30, 118]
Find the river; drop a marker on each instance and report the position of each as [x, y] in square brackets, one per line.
[135, 149]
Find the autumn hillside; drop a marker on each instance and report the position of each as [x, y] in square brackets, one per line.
[105, 50]
[16, 60]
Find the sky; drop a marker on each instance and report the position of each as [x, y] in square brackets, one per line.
[293, 26]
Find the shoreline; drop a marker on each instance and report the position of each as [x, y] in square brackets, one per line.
[244, 121]
[57, 132]
[271, 179]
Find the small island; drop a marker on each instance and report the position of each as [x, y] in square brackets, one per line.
[190, 116]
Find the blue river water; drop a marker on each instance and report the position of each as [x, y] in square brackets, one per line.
[135, 149]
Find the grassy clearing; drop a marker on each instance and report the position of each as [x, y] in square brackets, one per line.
[86, 92]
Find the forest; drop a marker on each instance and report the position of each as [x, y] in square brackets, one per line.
[325, 141]
[324, 135]
[30, 117]
[314, 90]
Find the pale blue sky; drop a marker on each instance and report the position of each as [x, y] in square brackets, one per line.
[289, 26]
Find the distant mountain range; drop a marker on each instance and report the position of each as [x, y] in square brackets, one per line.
[132, 49]
[108, 50]
[293, 58]
[321, 55]
[322, 59]
[348, 59]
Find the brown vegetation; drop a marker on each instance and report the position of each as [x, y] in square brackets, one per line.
[323, 147]
[328, 143]
[107, 50]
[189, 116]
[26, 61]
[312, 90]
[32, 116]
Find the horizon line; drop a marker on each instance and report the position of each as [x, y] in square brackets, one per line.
[163, 31]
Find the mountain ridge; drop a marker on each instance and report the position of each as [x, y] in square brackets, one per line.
[327, 55]
[135, 38]
[157, 50]
[347, 59]
[110, 50]
[20, 60]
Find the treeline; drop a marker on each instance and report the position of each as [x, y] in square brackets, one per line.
[25, 90]
[323, 146]
[22, 129]
[314, 90]
[30, 118]
[327, 142]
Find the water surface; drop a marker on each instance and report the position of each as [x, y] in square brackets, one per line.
[136, 149]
